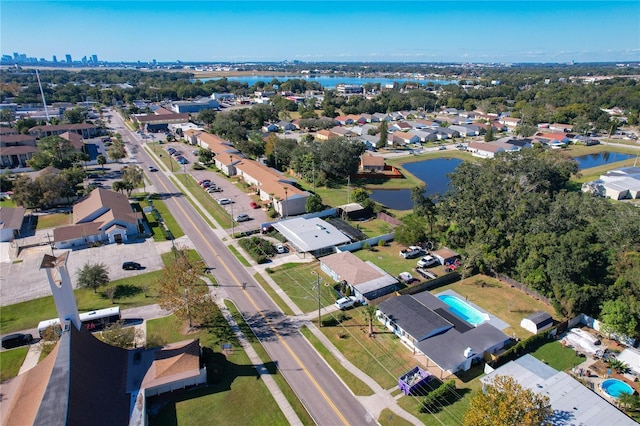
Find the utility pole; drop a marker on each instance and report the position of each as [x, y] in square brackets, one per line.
[318, 287]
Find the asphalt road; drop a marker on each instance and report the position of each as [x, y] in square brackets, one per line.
[324, 395]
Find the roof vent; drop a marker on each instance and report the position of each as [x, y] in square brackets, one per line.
[468, 352]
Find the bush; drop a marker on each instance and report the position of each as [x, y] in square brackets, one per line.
[259, 249]
[435, 398]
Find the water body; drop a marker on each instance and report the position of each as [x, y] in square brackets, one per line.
[600, 158]
[432, 172]
[330, 81]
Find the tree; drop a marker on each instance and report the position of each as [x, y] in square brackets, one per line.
[506, 402]
[102, 160]
[74, 115]
[182, 291]
[207, 116]
[525, 130]
[53, 151]
[359, 195]
[93, 275]
[369, 313]
[488, 137]
[313, 204]
[116, 152]
[133, 175]
[423, 205]
[384, 135]
[412, 230]
[617, 317]
[205, 155]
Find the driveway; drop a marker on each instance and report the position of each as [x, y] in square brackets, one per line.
[29, 282]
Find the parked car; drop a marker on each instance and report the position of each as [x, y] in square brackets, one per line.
[346, 302]
[442, 148]
[213, 189]
[253, 205]
[204, 181]
[15, 340]
[280, 248]
[242, 217]
[427, 262]
[183, 160]
[224, 201]
[411, 252]
[131, 266]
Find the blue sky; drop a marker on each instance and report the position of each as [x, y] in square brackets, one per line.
[346, 31]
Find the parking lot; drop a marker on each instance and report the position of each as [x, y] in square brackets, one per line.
[28, 281]
[240, 201]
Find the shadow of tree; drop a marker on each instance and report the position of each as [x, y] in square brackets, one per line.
[263, 324]
[126, 290]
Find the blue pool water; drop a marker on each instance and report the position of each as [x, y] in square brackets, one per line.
[615, 387]
[464, 310]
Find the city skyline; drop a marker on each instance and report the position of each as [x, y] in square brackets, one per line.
[355, 31]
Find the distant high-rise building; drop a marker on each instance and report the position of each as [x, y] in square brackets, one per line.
[94, 59]
[15, 55]
[68, 58]
[55, 59]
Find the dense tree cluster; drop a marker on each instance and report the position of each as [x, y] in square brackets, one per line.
[513, 215]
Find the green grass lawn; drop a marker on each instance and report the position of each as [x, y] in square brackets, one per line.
[388, 418]
[298, 282]
[357, 386]
[238, 256]
[6, 202]
[237, 397]
[557, 356]
[168, 219]
[54, 220]
[272, 293]
[11, 361]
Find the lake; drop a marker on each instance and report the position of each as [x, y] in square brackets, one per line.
[330, 81]
[600, 158]
[432, 172]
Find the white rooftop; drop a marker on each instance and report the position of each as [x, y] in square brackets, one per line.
[572, 403]
[310, 234]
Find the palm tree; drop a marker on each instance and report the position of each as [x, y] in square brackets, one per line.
[369, 313]
[102, 160]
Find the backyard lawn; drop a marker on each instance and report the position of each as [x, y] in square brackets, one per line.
[11, 361]
[388, 258]
[557, 356]
[505, 302]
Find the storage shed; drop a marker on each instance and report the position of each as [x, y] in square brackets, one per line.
[537, 322]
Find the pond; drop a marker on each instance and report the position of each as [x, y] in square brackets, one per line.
[600, 158]
[432, 172]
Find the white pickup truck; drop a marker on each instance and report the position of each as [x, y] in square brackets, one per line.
[411, 252]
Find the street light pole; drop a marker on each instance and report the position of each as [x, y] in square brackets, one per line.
[233, 222]
[318, 287]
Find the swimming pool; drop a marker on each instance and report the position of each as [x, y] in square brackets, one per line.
[615, 388]
[464, 310]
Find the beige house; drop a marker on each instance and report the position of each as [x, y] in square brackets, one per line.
[104, 216]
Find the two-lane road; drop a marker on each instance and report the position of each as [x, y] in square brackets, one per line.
[324, 395]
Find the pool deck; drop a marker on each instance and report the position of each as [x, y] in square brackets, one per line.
[493, 320]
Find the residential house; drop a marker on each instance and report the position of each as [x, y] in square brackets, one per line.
[428, 326]
[270, 127]
[570, 400]
[325, 135]
[341, 132]
[617, 184]
[446, 133]
[484, 149]
[286, 126]
[397, 116]
[402, 138]
[380, 116]
[75, 139]
[401, 126]
[561, 127]
[466, 129]
[367, 280]
[103, 216]
[370, 163]
[415, 124]
[510, 122]
[425, 135]
[343, 120]
[370, 141]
